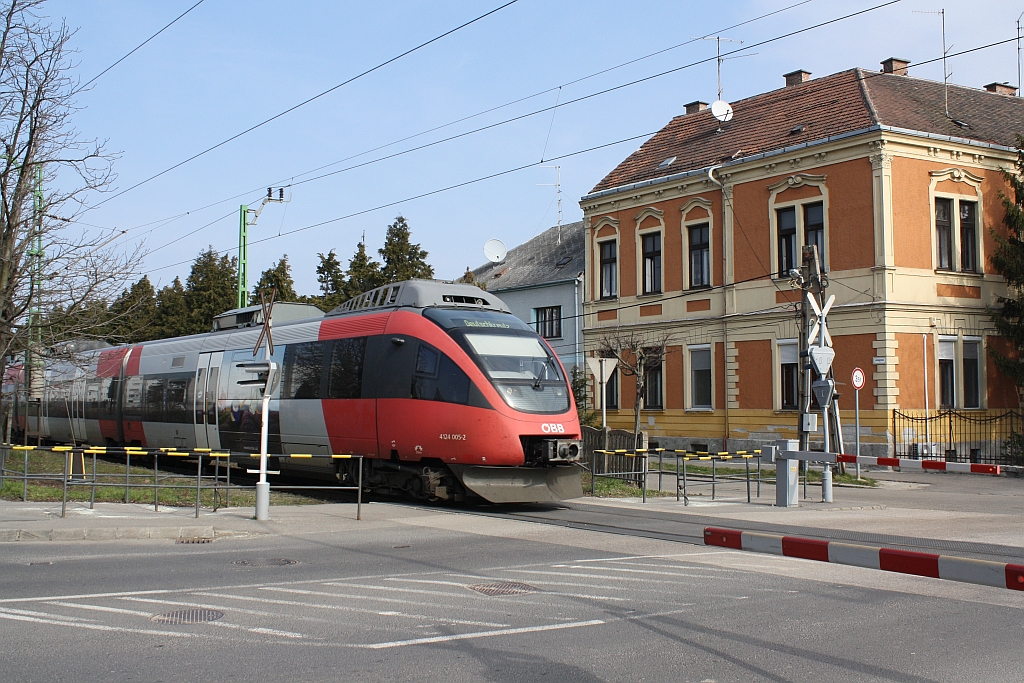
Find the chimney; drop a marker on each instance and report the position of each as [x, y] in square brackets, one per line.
[1001, 88]
[796, 77]
[896, 66]
[694, 107]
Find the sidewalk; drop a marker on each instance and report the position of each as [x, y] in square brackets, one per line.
[951, 507]
[33, 521]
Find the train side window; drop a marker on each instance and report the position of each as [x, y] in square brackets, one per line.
[108, 400]
[346, 373]
[438, 378]
[303, 370]
[132, 409]
[177, 399]
[154, 401]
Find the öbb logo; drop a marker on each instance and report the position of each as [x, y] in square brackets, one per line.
[552, 428]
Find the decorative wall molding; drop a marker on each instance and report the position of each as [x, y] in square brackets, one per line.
[603, 221]
[648, 212]
[958, 175]
[797, 180]
[694, 202]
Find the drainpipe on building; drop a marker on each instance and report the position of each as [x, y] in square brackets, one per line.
[725, 311]
[927, 423]
[577, 323]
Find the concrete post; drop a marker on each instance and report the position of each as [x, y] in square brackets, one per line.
[787, 475]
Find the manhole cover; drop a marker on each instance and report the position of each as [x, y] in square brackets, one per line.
[504, 588]
[281, 562]
[188, 616]
[246, 563]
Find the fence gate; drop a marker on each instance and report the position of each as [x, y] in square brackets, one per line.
[960, 436]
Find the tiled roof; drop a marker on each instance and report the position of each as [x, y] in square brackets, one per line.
[536, 262]
[815, 110]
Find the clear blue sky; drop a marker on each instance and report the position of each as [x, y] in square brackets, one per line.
[230, 64]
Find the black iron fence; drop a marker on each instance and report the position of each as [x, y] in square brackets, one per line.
[960, 436]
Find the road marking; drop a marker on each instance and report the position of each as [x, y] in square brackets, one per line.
[603, 577]
[240, 610]
[640, 571]
[45, 615]
[346, 608]
[392, 589]
[479, 634]
[44, 598]
[5, 614]
[98, 608]
[260, 630]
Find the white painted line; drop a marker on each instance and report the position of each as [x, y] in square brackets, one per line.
[44, 598]
[263, 631]
[346, 608]
[480, 634]
[624, 570]
[44, 615]
[241, 610]
[603, 577]
[5, 614]
[99, 608]
[392, 589]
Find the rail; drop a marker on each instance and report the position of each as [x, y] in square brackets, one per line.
[75, 472]
[613, 464]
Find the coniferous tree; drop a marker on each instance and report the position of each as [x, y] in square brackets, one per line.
[364, 273]
[210, 290]
[469, 278]
[403, 260]
[1008, 260]
[333, 287]
[279, 276]
[133, 314]
[172, 319]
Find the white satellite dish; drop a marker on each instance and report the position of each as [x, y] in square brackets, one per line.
[495, 251]
[721, 110]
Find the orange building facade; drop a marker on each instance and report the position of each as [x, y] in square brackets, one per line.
[693, 236]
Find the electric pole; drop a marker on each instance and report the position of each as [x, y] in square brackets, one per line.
[246, 219]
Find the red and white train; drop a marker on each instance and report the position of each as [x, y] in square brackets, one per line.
[439, 386]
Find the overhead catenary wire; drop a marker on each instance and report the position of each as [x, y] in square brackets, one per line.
[307, 101]
[137, 47]
[554, 107]
[471, 116]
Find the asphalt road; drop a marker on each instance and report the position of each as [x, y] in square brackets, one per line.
[405, 599]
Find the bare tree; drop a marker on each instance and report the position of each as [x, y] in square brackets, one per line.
[55, 277]
[638, 352]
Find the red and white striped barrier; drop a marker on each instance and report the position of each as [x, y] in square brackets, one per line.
[981, 572]
[910, 464]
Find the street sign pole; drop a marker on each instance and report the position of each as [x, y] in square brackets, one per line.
[267, 341]
[857, 379]
[604, 402]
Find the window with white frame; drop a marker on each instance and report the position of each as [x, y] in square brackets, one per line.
[700, 376]
[789, 374]
[956, 234]
[959, 382]
[699, 237]
[653, 389]
[609, 269]
[548, 321]
[651, 243]
[797, 226]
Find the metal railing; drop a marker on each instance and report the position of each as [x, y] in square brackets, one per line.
[633, 465]
[960, 436]
[76, 472]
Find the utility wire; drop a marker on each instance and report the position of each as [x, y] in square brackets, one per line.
[426, 194]
[307, 101]
[553, 107]
[485, 111]
[138, 47]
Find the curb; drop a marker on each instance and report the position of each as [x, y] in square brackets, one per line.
[108, 534]
[965, 570]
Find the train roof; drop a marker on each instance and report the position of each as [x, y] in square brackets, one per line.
[422, 294]
[252, 316]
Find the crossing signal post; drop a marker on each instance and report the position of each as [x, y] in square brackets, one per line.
[265, 374]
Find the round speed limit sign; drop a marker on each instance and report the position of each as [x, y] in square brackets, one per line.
[858, 379]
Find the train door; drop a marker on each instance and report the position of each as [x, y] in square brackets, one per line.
[206, 394]
[76, 407]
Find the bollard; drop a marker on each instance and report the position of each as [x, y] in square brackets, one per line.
[826, 484]
[263, 500]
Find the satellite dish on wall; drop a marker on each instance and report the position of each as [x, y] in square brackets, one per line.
[721, 110]
[495, 251]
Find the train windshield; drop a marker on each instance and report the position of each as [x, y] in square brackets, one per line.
[513, 357]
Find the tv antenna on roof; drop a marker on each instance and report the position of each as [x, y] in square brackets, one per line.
[721, 109]
[495, 250]
[945, 51]
[558, 187]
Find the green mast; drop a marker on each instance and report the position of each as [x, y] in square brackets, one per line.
[243, 256]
